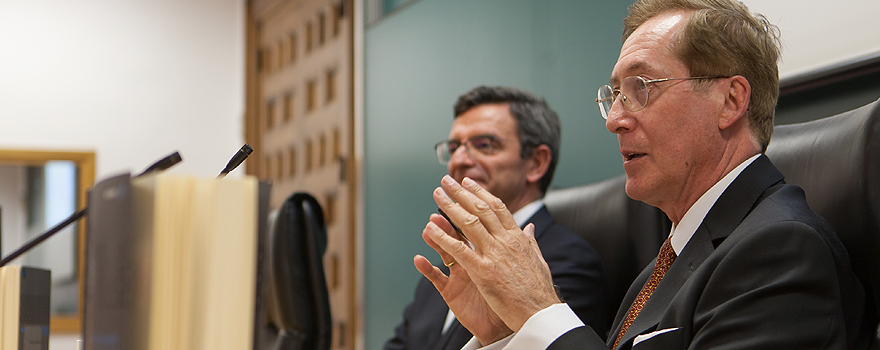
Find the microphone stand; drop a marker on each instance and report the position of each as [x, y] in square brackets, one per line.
[71, 219]
[165, 163]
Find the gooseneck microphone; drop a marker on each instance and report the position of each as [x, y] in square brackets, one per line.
[164, 163]
[236, 160]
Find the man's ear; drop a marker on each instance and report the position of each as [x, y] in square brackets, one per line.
[539, 162]
[737, 95]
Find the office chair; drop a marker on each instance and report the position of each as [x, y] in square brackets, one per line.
[297, 299]
[836, 160]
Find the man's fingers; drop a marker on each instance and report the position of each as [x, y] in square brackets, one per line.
[441, 222]
[449, 248]
[529, 231]
[446, 225]
[496, 219]
[494, 204]
[476, 215]
[468, 223]
[447, 258]
[431, 272]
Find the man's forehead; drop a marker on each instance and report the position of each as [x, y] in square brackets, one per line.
[649, 49]
[463, 132]
[630, 69]
[485, 120]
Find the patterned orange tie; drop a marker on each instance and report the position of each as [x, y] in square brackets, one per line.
[664, 260]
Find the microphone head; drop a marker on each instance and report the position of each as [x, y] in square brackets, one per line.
[163, 164]
[237, 159]
[173, 159]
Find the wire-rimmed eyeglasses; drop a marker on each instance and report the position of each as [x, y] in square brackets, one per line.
[483, 145]
[634, 92]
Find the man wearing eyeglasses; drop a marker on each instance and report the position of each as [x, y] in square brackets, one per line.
[508, 141]
[748, 265]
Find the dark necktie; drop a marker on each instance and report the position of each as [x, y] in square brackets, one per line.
[664, 260]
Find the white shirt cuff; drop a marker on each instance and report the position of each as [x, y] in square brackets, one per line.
[544, 327]
[474, 344]
[538, 332]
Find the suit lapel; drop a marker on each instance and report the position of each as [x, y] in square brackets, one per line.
[542, 220]
[740, 198]
[743, 194]
[695, 252]
[625, 305]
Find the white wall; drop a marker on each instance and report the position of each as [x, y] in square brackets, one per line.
[821, 33]
[132, 80]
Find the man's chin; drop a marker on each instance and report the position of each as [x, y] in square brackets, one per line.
[634, 189]
[643, 191]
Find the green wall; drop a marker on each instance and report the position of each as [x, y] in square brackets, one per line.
[417, 61]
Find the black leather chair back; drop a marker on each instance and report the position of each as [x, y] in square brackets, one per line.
[626, 233]
[297, 298]
[836, 160]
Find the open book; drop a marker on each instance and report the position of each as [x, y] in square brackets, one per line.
[172, 263]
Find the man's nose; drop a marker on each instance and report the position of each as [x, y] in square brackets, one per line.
[619, 119]
[461, 156]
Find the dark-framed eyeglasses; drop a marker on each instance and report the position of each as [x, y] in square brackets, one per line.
[634, 92]
[483, 145]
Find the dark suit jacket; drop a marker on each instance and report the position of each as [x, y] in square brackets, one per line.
[761, 272]
[576, 270]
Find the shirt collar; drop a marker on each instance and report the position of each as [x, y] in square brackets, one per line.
[525, 213]
[694, 216]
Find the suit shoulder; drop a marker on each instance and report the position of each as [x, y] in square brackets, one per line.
[785, 206]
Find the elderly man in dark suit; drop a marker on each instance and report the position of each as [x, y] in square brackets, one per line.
[747, 265]
[507, 140]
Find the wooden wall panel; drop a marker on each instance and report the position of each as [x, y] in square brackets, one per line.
[299, 119]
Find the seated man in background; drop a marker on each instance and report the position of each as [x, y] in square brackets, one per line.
[747, 264]
[508, 141]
